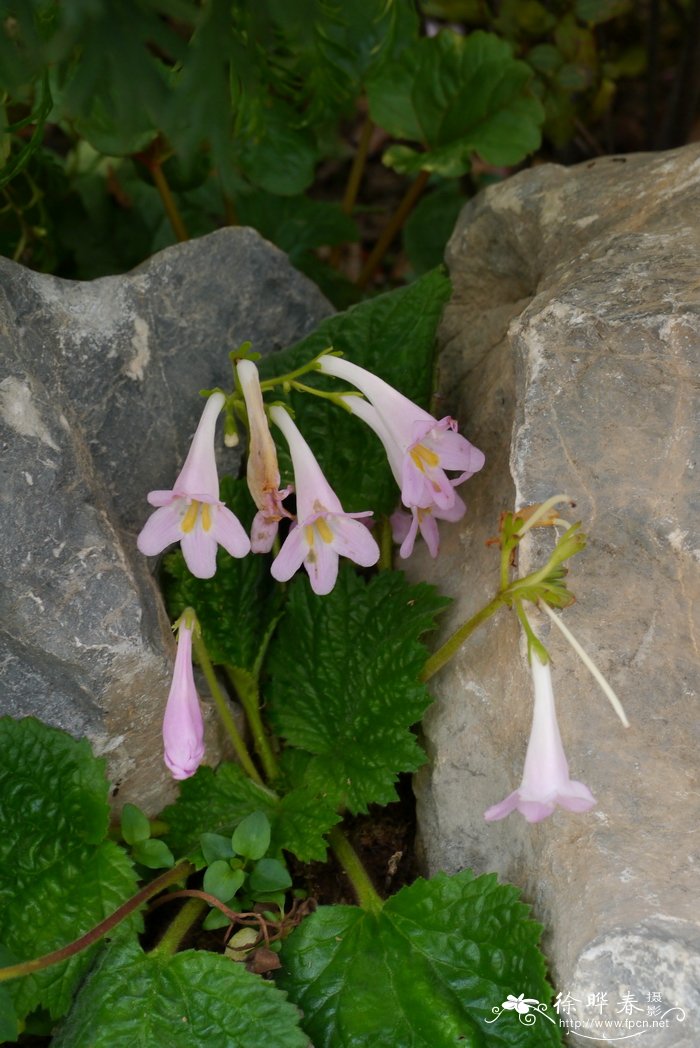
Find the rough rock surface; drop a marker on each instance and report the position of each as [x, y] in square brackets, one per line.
[570, 356]
[98, 401]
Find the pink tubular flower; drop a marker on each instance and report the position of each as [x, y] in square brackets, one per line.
[405, 527]
[426, 447]
[263, 471]
[183, 727]
[324, 531]
[191, 513]
[546, 781]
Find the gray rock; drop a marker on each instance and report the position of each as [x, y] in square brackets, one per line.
[570, 356]
[98, 401]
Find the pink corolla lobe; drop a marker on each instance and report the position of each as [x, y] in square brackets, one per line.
[406, 526]
[423, 447]
[324, 531]
[183, 726]
[191, 513]
[546, 781]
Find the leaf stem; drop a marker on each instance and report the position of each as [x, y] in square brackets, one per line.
[168, 200]
[249, 693]
[443, 655]
[367, 896]
[358, 166]
[392, 227]
[179, 927]
[16, 971]
[223, 709]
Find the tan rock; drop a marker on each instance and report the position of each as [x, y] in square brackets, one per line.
[570, 356]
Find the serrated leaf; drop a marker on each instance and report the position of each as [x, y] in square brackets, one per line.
[184, 1001]
[135, 826]
[58, 875]
[348, 703]
[251, 838]
[266, 131]
[54, 794]
[425, 972]
[240, 604]
[456, 96]
[219, 801]
[392, 335]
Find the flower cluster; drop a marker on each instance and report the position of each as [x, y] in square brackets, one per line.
[421, 451]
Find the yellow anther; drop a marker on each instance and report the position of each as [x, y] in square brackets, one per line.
[323, 530]
[206, 516]
[309, 532]
[190, 518]
[423, 457]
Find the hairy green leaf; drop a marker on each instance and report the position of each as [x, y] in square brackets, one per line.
[58, 875]
[393, 336]
[182, 1001]
[427, 971]
[348, 703]
[219, 801]
[456, 96]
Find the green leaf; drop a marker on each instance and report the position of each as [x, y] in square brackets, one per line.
[184, 1001]
[135, 826]
[457, 96]
[223, 882]
[216, 846]
[266, 133]
[9, 1028]
[269, 875]
[427, 971]
[58, 875]
[219, 801]
[348, 703]
[392, 335]
[238, 606]
[295, 224]
[431, 225]
[153, 854]
[251, 838]
[596, 12]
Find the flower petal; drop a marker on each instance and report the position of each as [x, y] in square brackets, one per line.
[321, 563]
[160, 530]
[199, 551]
[291, 556]
[198, 476]
[499, 811]
[262, 533]
[228, 531]
[352, 539]
[429, 530]
[183, 727]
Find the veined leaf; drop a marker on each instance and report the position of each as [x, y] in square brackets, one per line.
[428, 971]
[350, 704]
[58, 874]
[187, 1000]
[456, 96]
